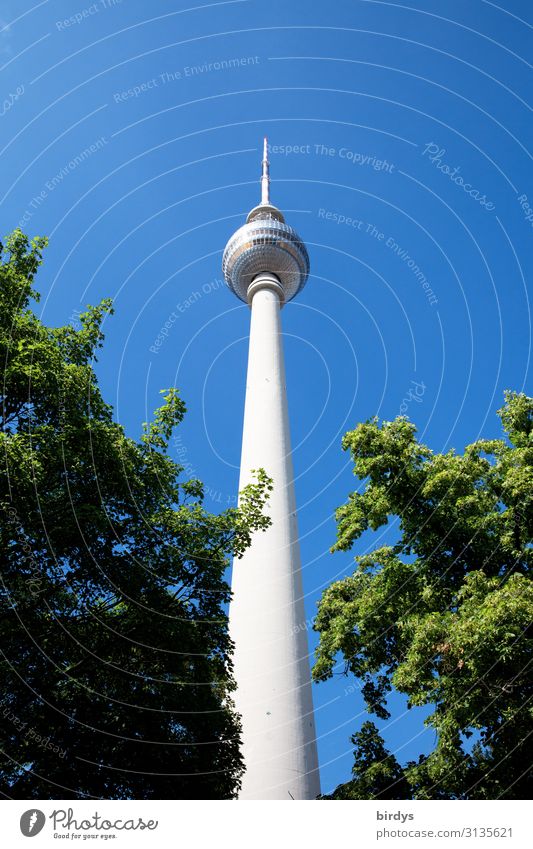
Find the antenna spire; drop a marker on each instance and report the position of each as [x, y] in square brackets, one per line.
[265, 176]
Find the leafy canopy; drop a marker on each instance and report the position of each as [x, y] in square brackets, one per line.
[115, 661]
[445, 615]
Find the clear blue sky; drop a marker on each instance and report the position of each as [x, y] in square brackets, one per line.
[411, 121]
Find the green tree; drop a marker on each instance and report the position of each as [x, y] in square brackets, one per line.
[445, 615]
[376, 773]
[115, 661]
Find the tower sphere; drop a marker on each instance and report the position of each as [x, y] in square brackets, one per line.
[265, 244]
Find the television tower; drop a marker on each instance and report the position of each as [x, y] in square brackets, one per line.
[266, 264]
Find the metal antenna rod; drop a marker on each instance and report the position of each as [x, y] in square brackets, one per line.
[265, 176]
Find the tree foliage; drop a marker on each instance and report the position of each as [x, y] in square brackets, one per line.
[445, 615]
[115, 661]
[376, 773]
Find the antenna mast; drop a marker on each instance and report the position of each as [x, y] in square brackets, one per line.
[265, 176]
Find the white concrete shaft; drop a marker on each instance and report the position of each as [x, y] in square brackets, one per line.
[267, 618]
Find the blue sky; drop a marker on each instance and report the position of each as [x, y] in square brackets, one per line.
[131, 135]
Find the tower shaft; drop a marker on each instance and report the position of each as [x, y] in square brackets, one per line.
[267, 618]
